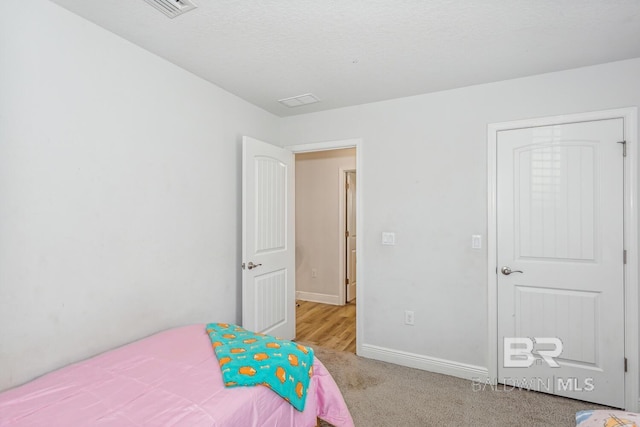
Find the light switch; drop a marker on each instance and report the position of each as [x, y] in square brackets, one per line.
[388, 238]
[476, 241]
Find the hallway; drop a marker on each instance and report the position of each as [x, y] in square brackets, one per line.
[330, 326]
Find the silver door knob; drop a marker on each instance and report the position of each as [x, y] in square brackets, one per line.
[507, 271]
[251, 265]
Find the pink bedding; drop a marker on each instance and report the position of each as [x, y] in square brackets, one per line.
[169, 379]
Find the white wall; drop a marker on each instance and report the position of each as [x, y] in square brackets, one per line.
[119, 191]
[425, 170]
[318, 220]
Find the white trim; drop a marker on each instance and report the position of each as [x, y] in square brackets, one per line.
[360, 269]
[632, 297]
[632, 302]
[315, 297]
[426, 363]
[325, 146]
[492, 260]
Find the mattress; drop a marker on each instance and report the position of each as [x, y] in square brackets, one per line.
[169, 379]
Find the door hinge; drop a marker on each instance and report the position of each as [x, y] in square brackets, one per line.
[624, 148]
[346, 233]
[346, 281]
[624, 256]
[625, 364]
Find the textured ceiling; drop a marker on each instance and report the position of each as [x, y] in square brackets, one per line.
[350, 52]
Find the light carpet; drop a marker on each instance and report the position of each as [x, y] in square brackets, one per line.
[384, 394]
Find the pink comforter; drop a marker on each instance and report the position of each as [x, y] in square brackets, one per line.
[169, 379]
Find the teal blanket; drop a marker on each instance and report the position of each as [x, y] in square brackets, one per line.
[248, 358]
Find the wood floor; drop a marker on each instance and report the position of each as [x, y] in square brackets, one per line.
[330, 326]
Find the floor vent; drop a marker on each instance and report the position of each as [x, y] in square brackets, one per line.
[297, 101]
[172, 8]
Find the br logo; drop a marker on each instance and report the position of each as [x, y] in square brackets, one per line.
[518, 352]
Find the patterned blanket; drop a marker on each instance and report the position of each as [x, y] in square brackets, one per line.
[247, 358]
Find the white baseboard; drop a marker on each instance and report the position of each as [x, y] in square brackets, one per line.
[314, 297]
[426, 363]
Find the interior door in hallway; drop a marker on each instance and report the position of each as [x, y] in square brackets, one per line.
[560, 260]
[350, 235]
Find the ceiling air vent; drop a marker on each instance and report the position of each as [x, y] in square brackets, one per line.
[172, 8]
[297, 101]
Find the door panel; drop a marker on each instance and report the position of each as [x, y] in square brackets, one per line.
[270, 204]
[560, 222]
[268, 290]
[271, 298]
[568, 314]
[555, 202]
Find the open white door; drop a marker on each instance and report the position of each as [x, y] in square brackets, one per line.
[351, 235]
[268, 242]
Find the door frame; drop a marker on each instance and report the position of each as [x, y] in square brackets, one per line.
[630, 213]
[336, 145]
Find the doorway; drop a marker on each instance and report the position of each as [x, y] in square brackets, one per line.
[562, 293]
[323, 315]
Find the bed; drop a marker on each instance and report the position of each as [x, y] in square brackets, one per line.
[607, 418]
[169, 379]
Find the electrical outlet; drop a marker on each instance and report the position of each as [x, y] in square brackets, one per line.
[314, 273]
[408, 317]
